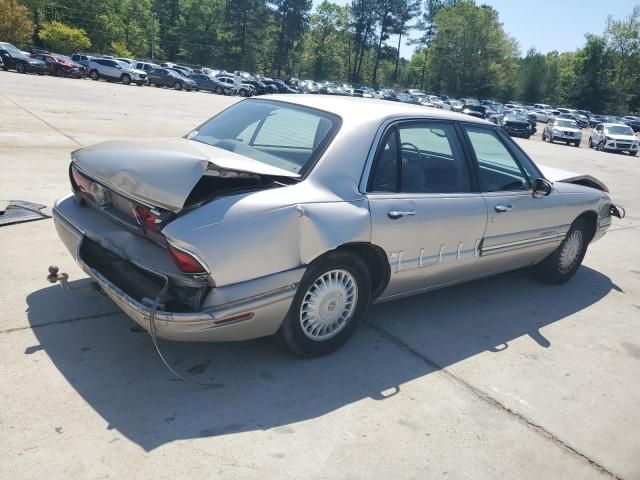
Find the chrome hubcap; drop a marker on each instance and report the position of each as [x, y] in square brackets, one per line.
[570, 251]
[328, 305]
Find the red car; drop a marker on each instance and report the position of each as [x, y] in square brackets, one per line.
[60, 65]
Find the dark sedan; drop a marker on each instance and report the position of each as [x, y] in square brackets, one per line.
[516, 125]
[481, 111]
[163, 77]
[210, 84]
[260, 88]
[279, 86]
[14, 59]
[634, 123]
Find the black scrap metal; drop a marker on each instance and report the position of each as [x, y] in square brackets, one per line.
[19, 211]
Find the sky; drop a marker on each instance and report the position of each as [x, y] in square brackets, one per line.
[546, 24]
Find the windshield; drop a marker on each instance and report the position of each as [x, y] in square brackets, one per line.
[566, 124]
[12, 50]
[279, 134]
[619, 130]
[123, 64]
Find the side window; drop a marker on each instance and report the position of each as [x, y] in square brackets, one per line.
[432, 159]
[385, 175]
[498, 169]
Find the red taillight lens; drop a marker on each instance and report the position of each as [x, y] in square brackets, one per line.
[185, 262]
[147, 218]
[80, 184]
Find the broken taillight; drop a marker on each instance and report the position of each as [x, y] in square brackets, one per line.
[186, 262]
[84, 187]
[81, 185]
[147, 218]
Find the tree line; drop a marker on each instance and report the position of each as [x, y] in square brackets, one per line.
[460, 47]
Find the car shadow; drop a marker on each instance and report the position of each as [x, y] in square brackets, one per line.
[114, 367]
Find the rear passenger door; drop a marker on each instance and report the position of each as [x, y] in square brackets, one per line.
[424, 211]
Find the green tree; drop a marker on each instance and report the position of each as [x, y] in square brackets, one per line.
[15, 25]
[63, 38]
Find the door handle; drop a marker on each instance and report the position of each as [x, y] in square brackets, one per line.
[395, 214]
[503, 208]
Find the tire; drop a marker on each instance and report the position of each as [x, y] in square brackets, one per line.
[177, 86]
[590, 143]
[219, 91]
[157, 85]
[94, 75]
[243, 93]
[20, 68]
[577, 144]
[633, 154]
[304, 330]
[125, 79]
[564, 261]
[544, 136]
[600, 147]
[140, 84]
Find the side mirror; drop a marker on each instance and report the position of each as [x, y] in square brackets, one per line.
[542, 187]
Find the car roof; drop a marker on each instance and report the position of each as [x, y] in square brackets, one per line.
[358, 110]
[606, 124]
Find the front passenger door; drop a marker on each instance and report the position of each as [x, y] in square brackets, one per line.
[424, 211]
[521, 228]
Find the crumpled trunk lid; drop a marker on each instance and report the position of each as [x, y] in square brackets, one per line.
[163, 173]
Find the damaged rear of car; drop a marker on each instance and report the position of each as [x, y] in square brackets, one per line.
[155, 223]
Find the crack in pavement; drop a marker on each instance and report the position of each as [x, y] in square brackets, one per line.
[60, 322]
[539, 429]
[43, 121]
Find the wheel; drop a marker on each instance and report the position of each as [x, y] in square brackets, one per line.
[243, 93]
[94, 75]
[158, 85]
[332, 298]
[633, 154]
[577, 144]
[177, 86]
[590, 143]
[565, 260]
[544, 136]
[600, 146]
[20, 68]
[219, 91]
[550, 139]
[125, 79]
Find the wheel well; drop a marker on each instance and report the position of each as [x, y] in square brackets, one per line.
[591, 219]
[377, 263]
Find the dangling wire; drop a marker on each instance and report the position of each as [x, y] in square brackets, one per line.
[154, 338]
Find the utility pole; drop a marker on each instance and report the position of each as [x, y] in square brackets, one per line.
[153, 33]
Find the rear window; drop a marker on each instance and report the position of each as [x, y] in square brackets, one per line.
[280, 134]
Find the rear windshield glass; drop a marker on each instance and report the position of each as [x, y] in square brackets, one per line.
[280, 134]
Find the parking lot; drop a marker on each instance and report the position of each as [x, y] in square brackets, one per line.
[500, 378]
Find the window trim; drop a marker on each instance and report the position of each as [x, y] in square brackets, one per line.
[380, 141]
[499, 135]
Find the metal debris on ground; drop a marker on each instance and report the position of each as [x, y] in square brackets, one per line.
[17, 211]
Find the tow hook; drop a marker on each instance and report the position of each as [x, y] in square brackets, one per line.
[55, 276]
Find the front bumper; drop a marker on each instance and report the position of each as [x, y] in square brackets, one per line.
[620, 146]
[243, 311]
[566, 136]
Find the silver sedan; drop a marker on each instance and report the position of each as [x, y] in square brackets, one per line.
[290, 215]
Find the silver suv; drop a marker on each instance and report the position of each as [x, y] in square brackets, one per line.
[115, 70]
